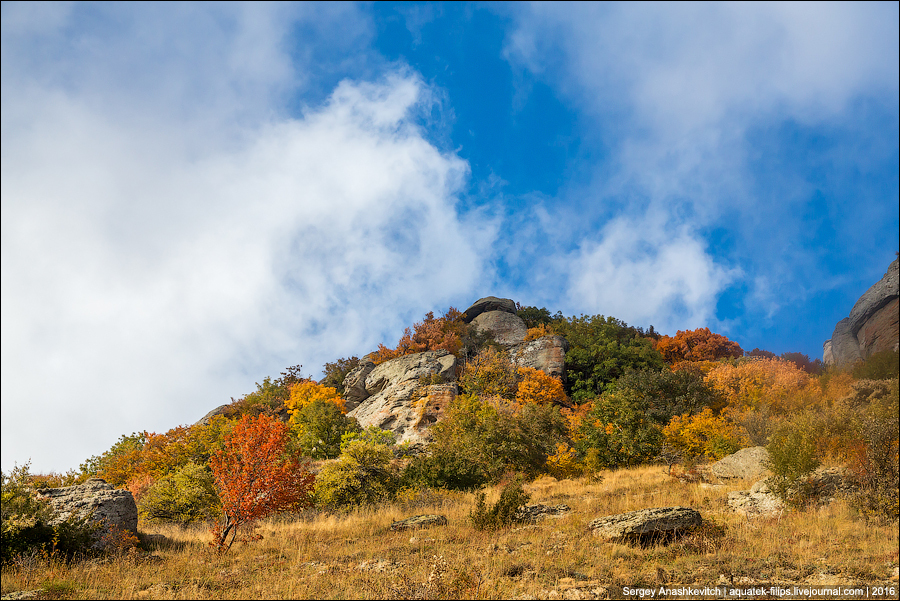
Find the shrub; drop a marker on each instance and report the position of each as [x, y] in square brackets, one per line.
[337, 371]
[25, 522]
[490, 373]
[668, 393]
[751, 383]
[448, 332]
[792, 457]
[539, 331]
[185, 496]
[504, 512]
[371, 435]
[697, 345]
[880, 366]
[362, 475]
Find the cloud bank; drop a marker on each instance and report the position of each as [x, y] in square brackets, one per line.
[167, 242]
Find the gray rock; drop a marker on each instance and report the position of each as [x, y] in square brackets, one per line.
[646, 524]
[489, 303]
[355, 384]
[408, 394]
[844, 346]
[220, 410]
[747, 464]
[96, 501]
[506, 328]
[756, 502]
[547, 354]
[873, 324]
[419, 521]
[879, 295]
[537, 512]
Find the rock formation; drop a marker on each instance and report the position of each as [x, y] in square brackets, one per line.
[646, 524]
[872, 326]
[489, 303]
[547, 354]
[404, 395]
[747, 464]
[94, 500]
[419, 521]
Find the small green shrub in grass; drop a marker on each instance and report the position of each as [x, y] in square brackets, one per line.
[503, 513]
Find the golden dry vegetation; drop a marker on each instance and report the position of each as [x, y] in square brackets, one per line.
[356, 555]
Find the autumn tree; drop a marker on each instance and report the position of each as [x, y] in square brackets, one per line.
[540, 388]
[697, 345]
[447, 332]
[256, 476]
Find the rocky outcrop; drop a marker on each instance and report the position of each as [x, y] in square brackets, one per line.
[547, 354]
[747, 464]
[506, 328]
[355, 384]
[220, 410]
[419, 521]
[407, 394]
[489, 303]
[646, 524]
[96, 501]
[872, 326]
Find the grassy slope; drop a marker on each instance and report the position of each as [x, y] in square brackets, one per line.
[357, 556]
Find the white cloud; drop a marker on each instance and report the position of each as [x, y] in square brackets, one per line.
[158, 258]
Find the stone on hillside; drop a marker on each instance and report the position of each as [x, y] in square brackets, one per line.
[220, 410]
[419, 521]
[547, 354]
[646, 524]
[94, 500]
[881, 294]
[506, 328]
[489, 303]
[408, 394]
[537, 512]
[756, 502]
[844, 346]
[747, 464]
[355, 384]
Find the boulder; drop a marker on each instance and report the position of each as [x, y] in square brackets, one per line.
[537, 512]
[419, 521]
[112, 508]
[746, 464]
[355, 384]
[872, 326]
[547, 354]
[756, 502]
[220, 410]
[408, 394]
[646, 524]
[489, 303]
[506, 328]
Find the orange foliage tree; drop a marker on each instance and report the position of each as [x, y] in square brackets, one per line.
[539, 388]
[431, 334]
[776, 383]
[256, 477]
[697, 345]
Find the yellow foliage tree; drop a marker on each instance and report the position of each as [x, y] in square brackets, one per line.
[539, 388]
[488, 374]
[564, 462]
[703, 435]
[539, 331]
[306, 392]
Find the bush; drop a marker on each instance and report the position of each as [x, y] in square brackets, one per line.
[504, 512]
[337, 371]
[792, 457]
[28, 524]
[490, 373]
[880, 366]
[362, 475]
[669, 393]
[185, 496]
[371, 435]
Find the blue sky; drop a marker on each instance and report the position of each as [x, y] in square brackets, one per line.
[197, 196]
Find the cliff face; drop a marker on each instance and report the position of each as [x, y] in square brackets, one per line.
[872, 326]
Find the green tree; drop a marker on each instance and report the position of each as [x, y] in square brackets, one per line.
[601, 350]
[337, 371]
[618, 432]
[362, 475]
[319, 427]
[184, 496]
[668, 393]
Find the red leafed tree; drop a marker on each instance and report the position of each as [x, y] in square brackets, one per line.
[256, 476]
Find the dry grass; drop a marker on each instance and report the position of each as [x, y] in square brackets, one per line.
[357, 556]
